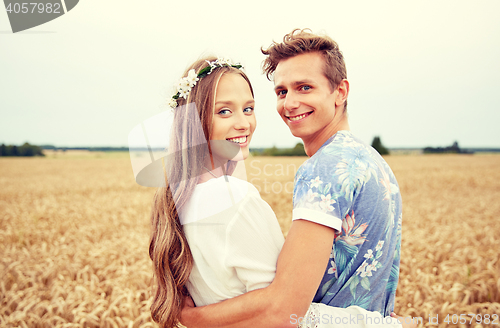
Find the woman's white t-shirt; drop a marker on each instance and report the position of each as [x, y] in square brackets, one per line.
[234, 237]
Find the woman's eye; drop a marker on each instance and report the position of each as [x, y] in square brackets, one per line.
[248, 110]
[224, 112]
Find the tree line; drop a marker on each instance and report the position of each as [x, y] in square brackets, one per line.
[298, 150]
[24, 150]
[453, 149]
[31, 150]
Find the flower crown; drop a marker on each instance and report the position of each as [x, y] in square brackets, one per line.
[185, 84]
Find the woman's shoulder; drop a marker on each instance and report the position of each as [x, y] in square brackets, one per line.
[217, 195]
[243, 187]
[224, 185]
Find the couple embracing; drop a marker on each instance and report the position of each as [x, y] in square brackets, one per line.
[219, 257]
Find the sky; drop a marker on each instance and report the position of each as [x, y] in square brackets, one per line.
[421, 74]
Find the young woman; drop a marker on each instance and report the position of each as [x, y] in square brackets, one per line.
[213, 237]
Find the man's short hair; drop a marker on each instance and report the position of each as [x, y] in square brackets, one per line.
[304, 41]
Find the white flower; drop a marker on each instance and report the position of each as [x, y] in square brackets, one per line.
[379, 245]
[311, 195]
[363, 270]
[223, 61]
[326, 202]
[362, 267]
[192, 78]
[316, 182]
[333, 268]
[184, 93]
[212, 64]
[370, 268]
[172, 103]
[183, 85]
[368, 271]
[186, 83]
[369, 254]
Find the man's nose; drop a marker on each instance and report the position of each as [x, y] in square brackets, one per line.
[291, 102]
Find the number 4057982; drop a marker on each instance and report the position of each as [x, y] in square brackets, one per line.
[478, 318]
[34, 7]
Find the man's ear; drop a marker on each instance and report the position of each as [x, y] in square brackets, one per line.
[343, 92]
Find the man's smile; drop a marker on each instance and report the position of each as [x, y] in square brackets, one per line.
[298, 117]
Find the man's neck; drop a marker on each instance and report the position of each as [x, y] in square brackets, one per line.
[312, 146]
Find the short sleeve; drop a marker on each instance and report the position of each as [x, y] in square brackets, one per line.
[253, 243]
[316, 197]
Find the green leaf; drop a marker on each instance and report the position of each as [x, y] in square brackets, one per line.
[353, 283]
[327, 286]
[204, 72]
[327, 188]
[365, 283]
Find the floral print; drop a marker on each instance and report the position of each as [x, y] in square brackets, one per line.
[348, 181]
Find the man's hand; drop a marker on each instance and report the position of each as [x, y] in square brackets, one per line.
[187, 305]
[187, 302]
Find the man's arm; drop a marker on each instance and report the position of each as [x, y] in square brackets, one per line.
[301, 265]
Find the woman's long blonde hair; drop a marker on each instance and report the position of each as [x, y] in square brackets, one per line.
[168, 248]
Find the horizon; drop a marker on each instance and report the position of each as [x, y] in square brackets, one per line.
[51, 146]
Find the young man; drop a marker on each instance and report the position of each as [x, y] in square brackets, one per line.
[346, 230]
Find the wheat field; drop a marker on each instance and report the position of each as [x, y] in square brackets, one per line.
[74, 237]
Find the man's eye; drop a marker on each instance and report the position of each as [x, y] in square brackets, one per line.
[281, 93]
[306, 88]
